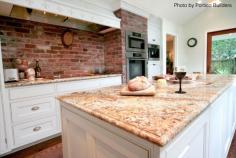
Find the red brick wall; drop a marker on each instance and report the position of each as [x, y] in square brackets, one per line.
[113, 52]
[31, 40]
[115, 59]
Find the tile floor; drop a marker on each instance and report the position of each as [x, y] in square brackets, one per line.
[54, 150]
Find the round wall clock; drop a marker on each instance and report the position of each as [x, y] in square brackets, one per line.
[192, 42]
[67, 38]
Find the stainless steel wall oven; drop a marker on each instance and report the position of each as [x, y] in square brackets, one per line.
[153, 52]
[136, 54]
[136, 42]
[136, 65]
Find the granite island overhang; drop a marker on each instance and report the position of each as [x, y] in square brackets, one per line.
[160, 119]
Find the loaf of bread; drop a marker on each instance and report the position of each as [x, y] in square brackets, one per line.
[138, 84]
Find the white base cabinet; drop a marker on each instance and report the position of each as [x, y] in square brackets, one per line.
[208, 136]
[34, 113]
[154, 68]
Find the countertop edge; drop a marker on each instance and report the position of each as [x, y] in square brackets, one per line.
[22, 84]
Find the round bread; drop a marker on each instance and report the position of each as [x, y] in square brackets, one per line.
[138, 84]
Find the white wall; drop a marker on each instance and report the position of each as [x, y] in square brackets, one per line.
[171, 28]
[212, 19]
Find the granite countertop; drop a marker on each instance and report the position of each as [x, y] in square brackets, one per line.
[157, 119]
[45, 81]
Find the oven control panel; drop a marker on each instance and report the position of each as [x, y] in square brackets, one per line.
[136, 55]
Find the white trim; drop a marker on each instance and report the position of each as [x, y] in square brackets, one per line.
[131, 8]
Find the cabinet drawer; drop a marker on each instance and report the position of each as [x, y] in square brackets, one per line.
[78, 85]
[30, 91]
[32, 109]
[33, 131]
[110, 81]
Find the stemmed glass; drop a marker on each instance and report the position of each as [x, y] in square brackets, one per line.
[180, 76]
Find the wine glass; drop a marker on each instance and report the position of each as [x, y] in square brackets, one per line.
[180, 74]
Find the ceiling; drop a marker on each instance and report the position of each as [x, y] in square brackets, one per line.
[166, 9]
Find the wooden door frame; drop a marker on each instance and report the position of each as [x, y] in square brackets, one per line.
[209, 41]
[174, 49]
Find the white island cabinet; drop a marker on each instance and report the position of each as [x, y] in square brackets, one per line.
[207, 136]
[82, 132]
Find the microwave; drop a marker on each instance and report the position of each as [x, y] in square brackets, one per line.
[153, 52]
[136, 42]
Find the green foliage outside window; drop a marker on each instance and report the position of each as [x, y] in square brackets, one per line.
[224, 56]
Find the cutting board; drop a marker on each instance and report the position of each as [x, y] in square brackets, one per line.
[147, 92]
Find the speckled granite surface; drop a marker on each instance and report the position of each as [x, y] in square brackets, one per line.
[45, 81]
[159, 118]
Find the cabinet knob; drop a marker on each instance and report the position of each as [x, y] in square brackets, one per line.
[36, 129]
[35, 108]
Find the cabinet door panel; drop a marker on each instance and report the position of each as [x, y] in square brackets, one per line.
[192, 142]
[153, 68]
[197, 146]
[154, 30]
[192, 147]
[84, 134]
[31, 91]
[25, 111]
[234, 103]
[216, 121]
[32, 131]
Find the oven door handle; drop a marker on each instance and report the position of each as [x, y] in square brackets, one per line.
[142, 38]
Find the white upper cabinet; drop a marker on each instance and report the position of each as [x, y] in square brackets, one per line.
[82, 10]
[154, 30]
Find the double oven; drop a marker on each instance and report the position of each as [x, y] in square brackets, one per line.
[136, 54]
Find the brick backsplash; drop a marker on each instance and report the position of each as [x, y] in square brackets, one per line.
[32, 40]
[113, 51]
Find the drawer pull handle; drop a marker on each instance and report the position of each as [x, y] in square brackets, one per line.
[35, 108]
[36, 129]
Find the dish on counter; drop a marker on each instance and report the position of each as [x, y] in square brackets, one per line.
[185, 80]
[172, 79]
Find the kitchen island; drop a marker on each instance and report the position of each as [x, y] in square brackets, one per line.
[198, 124]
